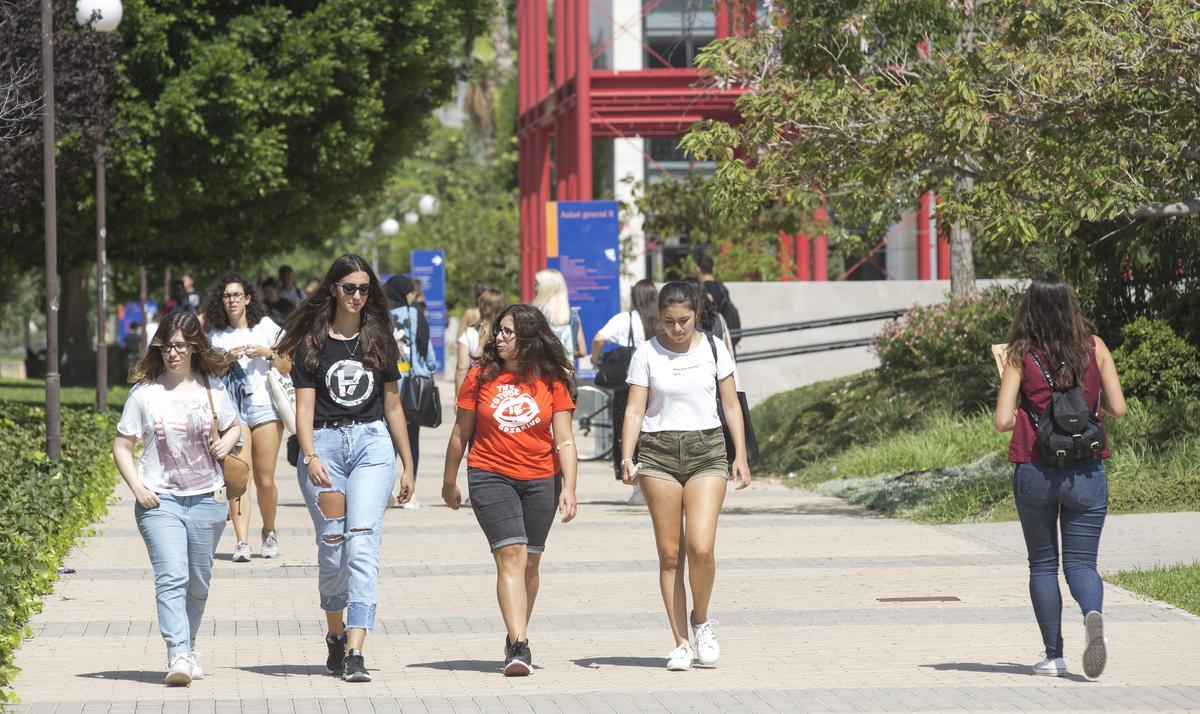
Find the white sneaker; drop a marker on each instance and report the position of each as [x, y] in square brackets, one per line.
[180, 672]
[241, 552]
[197, 670]
[1095, 651]
[1051, 667]
[637, 498]
[412, 505]
[270, 546]
[707, 649]
[680, 659]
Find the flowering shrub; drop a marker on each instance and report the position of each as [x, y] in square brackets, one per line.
[953, 336]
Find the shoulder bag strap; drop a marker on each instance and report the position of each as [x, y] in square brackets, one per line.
[216, 430]
[631, 314]
[716, 376]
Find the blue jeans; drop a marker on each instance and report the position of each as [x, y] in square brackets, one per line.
[362, 466]
[181, 535]
[1074, 498]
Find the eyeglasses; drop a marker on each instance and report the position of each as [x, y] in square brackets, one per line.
[233, 296]
[506, 332]
[170, 347]
[350, 288]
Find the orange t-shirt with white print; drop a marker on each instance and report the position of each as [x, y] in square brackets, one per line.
[512, 424]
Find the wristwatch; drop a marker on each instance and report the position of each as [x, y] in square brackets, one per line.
[309, 457]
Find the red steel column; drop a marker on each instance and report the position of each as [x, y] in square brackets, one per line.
[820, 259]
[943, 242]
[583, 102]
[560, 33]
[803, 257]
[923, 212]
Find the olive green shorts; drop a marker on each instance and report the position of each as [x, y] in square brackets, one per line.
[683, 455]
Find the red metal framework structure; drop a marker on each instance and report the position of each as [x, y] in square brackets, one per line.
[557, 122]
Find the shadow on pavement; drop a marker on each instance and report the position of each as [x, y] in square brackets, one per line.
[597, 662]
[285, 670]
[1005, 668]
[465, 665]
[127, 675]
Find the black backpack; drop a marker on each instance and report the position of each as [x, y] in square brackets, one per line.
[729, 311]
[1068, 430]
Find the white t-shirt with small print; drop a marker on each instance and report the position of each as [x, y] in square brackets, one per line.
[682, 385]
[616, 330]
[470, 340]
[175, 428]
[265, 334]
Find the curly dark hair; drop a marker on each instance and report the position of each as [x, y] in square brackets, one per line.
[1051, 321]
[309, 323]
[205, 359]
[213, 309]
[540, 354]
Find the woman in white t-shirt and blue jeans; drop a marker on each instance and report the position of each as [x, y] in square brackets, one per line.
[177, 482]
[239, 328]
[672, 420]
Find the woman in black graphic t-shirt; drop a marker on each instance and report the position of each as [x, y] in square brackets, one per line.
[350, 426]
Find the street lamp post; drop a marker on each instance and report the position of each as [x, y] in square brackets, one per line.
[50, 209]
[102, 16]
[427, 205]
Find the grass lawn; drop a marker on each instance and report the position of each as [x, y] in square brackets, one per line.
[1176, 584]
[32, 391]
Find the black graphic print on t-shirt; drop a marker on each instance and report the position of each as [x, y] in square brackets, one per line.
[345, 388]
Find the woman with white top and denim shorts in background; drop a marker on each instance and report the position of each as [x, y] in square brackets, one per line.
[672, 421]
[177, 481]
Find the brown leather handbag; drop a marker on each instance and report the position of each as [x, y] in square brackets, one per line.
[235, 469]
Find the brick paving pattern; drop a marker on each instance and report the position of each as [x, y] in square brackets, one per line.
[801, 624]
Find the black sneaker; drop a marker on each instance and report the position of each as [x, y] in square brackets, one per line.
[337, 653]
[518, 660]
[354, 669]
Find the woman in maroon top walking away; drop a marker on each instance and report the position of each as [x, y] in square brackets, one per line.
[1052, 350]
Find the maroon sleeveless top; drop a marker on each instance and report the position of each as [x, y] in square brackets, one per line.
[1035, 394]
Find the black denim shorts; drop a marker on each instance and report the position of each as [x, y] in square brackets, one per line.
[513, 510]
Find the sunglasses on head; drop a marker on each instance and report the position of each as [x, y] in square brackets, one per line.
[350, 288]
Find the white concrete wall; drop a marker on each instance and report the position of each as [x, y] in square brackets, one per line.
[629, 165]
[763, 304]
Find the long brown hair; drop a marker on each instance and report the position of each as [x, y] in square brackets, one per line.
[310, 321]
[643, 297]
[1050, 321]
[490, 303]
[213, 309]
[540, 354]
[205, 360]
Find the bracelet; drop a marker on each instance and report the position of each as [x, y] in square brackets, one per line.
[627, 461]
[565, 444]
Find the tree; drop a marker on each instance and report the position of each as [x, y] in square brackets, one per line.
[1031, 119]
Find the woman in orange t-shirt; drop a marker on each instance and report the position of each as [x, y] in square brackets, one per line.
[522, 465]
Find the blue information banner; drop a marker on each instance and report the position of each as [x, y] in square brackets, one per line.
[429, 266]
[583, 244]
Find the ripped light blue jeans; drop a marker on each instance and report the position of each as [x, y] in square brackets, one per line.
[362, 466]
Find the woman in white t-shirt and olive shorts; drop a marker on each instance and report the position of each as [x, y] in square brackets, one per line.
[178, 482]
[238, 326]
[672, 421]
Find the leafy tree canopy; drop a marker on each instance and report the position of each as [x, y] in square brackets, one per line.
[1031, 117]
[247, 128]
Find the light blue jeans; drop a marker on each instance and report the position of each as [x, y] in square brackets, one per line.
[181, 535]
[361, 462]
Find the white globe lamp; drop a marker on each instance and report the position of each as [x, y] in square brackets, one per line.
[101, 15]
[389, 227]
[412, 217]
[428, 205]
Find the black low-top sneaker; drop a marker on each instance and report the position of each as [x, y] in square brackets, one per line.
[354, 669]
[337, 653]
[518, 660]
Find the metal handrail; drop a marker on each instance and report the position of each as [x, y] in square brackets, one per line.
[802, 349]
[812, 324]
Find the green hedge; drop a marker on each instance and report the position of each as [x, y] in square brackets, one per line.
[44, 507]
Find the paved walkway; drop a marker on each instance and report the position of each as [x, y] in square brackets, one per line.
[805, 624]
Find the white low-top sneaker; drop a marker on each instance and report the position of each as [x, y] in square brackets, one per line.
[1051, 667]
[197, 670]
[680, 659]
[707, 649]
[270, 544]
[241, 552]
[1095, 651]
[180, 672]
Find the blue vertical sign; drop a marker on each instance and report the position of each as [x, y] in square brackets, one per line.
[583, 244]
[429, 266]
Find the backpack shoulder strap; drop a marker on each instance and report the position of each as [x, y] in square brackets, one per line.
[1042, 368]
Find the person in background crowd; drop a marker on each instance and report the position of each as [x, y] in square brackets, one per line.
[522, 465]
[718, 294]
[289, 292]
[472, 341]
[189, 288]
[627, 329]
[179, 301]
[240, 329]
[672, 419]
[177, 481]
[350, 425]
[416, 353]
[277, 309]
[711, 321]
[313, 285]
[470, 316]
[551, 298]
[1053, 348]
